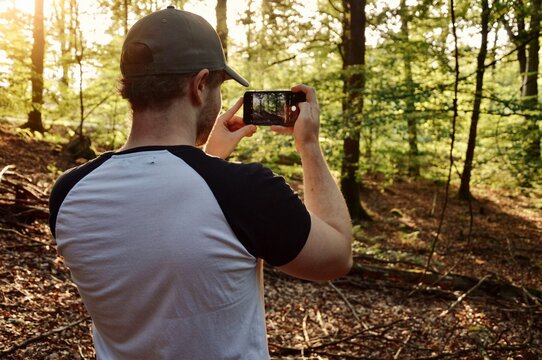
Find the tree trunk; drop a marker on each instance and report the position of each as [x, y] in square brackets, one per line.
[530, 95]
[413, 163]
[520, 37]
[35, 122]
[354, 84]
[63, 40]
[221, 24]
[126, 5]
[464, 189]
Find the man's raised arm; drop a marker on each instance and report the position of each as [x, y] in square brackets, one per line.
[327, 253]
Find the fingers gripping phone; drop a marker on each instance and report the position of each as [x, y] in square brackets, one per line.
[272, 107]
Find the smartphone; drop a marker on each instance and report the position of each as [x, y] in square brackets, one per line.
[272, 107]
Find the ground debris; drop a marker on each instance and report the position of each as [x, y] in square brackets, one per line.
[355, 317]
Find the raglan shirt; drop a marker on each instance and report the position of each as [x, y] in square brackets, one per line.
[163, 242]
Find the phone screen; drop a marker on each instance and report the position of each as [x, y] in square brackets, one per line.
[272, 107]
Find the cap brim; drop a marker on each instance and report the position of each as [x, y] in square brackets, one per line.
[235, 76]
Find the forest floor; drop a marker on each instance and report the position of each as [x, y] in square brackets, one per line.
[480, 299]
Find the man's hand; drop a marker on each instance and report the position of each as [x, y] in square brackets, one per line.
[307, 126]
[227, 131]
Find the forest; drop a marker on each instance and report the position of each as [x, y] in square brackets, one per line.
[430, 124]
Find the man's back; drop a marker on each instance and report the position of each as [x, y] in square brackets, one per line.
[162, 244]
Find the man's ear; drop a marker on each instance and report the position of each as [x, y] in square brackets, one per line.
[197, 87]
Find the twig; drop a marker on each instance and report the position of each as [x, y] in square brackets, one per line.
[304, 326]
[81, 352]
[345, 299]
[462, 297]
[293, 350]
[281, 61]
[18, 201]
[41, 336]
[26, 237]
[5, 170]
[398, 352]
[321, 322]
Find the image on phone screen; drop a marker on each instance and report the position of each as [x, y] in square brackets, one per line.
[271, 107]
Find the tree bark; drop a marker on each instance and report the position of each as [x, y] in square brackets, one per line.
[221, 24]
[464, 189]
[35, 122]
[528, 45]
[520, 37]
[63, 39]
[444, 281]
[354, 84]
[530, 95]
[126, 5]
[413, 162]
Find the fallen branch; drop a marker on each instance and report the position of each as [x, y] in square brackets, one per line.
[41, 336]
[446, 282]
[372, 259]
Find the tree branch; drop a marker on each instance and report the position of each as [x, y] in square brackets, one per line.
[41, 336]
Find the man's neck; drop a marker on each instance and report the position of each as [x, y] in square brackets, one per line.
[173, 126]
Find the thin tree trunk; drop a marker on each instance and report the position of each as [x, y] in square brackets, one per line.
[520, 37]
[464, 189]
[81, 99]
[65, 46]
[126, 4]
[530, 98]
[222, 24]
[354, 85]
[413, 163]
[79, 48]
[35, 122]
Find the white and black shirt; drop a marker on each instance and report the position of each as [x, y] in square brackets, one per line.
[163, 243]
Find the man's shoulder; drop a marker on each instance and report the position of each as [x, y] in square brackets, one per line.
[73, 175]
[209, 166]
[66, 182]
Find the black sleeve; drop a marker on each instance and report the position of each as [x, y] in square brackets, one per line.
[262, 209]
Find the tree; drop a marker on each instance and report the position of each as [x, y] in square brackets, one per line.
[528, 46]
[80, 145]
[34, 122]
[530, 94]
[14, 49]
[221, 24]
[62, 36]
[353, 49]
[413, 162]
[464, 189]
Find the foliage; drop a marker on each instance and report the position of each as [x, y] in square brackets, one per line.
[283, 44]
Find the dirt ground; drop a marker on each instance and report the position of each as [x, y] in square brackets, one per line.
[355, 317]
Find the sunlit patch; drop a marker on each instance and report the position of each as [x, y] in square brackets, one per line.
[22, 5]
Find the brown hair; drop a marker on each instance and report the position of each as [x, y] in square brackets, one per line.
[153, 92]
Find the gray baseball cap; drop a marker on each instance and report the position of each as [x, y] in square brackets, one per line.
[172, 41]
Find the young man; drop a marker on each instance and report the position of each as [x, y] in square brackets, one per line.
[163, 240]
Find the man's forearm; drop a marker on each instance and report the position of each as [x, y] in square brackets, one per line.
[322, 196]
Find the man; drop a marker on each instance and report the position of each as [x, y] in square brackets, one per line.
[163, 239]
